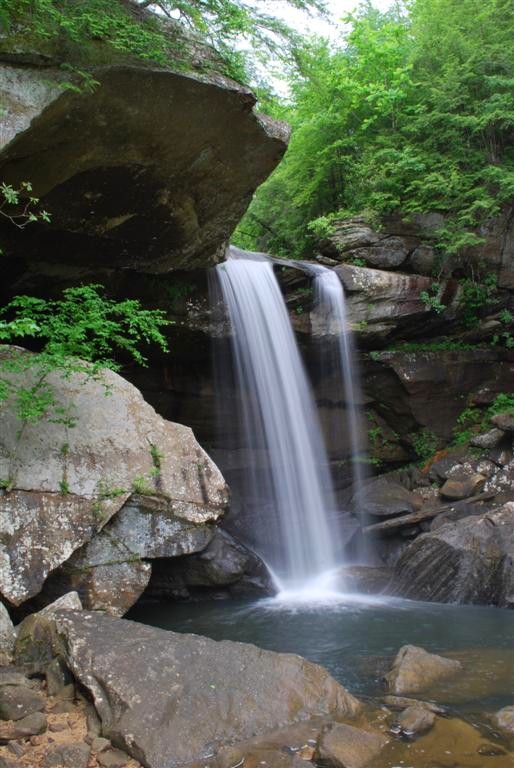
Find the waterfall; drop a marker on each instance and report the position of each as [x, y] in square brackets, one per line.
[330, 323]
[295, 529]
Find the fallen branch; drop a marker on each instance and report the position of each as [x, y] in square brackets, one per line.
[424, 514]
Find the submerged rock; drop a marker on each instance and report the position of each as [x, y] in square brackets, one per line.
[343, 746]
[415, 720]
[414, 670]
[201, 693]
[504, 719]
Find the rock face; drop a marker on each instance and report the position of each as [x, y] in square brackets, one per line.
[151, 189]
[414, 670]
[466, 561]
[202, 693]
[118, 445]
[408, 245]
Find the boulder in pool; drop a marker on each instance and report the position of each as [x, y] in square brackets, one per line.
[504, 719]
[344, 746]
[414, 669]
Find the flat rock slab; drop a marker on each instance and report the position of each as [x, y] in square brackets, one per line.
[67, 756]
[414, 669]
[169, 699]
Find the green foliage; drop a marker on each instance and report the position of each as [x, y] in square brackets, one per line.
[76, 334]
[141, 485]
[425, 444]
[431, 299]
[224, 24]
[413, 112]
[19, 207]
[476, 297]
[443, 344]
[506, 336]
[473, 420]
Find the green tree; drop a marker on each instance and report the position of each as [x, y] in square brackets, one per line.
[413, 112]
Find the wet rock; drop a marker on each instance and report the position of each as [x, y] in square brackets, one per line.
[343, 746]
[31, 725]
[416, 720]
[18, 701]
[504, 719]
[108, 455]
[504, 421]
[463, 489]
[467, 561]
[402, 702]
[67, 756]
[7, 637]
[488, 439]
[186, 683]
[414, 670]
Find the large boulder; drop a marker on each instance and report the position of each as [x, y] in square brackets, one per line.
[466, 561]
[7, 637]
[169, 699]
[118, 449]
[152, 189]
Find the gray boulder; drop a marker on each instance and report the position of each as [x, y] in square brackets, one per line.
[7, 637]
[31, 725]
[118, 445]
[466, 561]
[414, 670]
[168, 698]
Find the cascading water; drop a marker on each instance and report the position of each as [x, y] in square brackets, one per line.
[331, 324]
[298, 535]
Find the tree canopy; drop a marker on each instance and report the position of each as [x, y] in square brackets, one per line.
[412, 112]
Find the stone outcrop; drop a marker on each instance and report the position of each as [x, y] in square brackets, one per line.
[203, 694]
[70, 482]
[145, 190]
[408, 245]
[414, 670]
[467, 561]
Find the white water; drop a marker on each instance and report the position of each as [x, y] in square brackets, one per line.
[297, 532]
[331, 320]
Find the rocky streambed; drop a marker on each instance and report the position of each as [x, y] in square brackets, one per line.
[86, 689]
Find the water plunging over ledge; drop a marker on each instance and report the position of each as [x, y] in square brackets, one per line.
[297, 534]
[338, 352]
